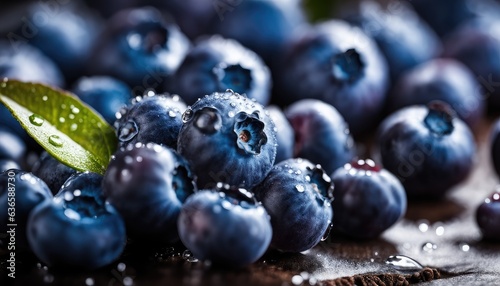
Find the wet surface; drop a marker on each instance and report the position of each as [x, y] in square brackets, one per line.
[441, 235]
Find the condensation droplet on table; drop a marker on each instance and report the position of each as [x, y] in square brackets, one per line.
[402, 262]
[188, 256]
[89, 281]
[429, 247]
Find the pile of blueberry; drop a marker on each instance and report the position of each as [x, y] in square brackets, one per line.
[241, 124]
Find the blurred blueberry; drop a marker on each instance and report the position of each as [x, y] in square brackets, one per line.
[11, 146]
[140, 47]
[403, 38]
[339, 64]
[477, 45]
[105, 94]
[216, 64]
[321, 134]
[284, 135]
[52, 172]
[427, 148]
[17, 201]
[443, 15]
[441, 79]
[263, 26]
[65, 33]
[488, 217]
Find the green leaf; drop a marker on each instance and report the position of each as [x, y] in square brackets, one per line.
[62, 124]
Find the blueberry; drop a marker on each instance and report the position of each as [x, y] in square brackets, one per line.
[339, 64]
[225, 226]
[495, 146]
[477, 45]
[78, 229]
[103, 93]
[228, 138]
[368, 199]
[216, 64]
[52, 172]
[262, 26]
[11, 146]
[488, 217]
[441, 79]
[445, 15]
[297, 196]
[429, 149]
[403, 38]
[151, 119]
[20, 193]
[7, 164]
[139, 47]
[110, 7]
[65, 33]
[26, 63]
[148, 185]
[192, 16]
[285, 135]
[321, 134]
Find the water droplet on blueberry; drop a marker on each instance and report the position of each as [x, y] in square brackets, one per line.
[127, 131]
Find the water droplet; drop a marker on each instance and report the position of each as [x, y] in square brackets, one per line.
[128, 281]
[187, 115]
[36, 119]
[139, 159]
[55, 140]
[297, 280]
[429, 247]
[71, 214]
[216, 209]
[439, 230]
[327, 232]
[231, 114]
[68, 196]
[128, 131]
[227, 205]
[77, 193]
[423, 225]
[121, 266]
[89, 281]
[75, 110]
[62, 119]
[45, 98]
[48, 278]
[63, 106]
[73, 127]
[128, 160]
[300, 188]
[232, 104]
[188, 256]
[172, 113]
[464, 247]
[402, 262]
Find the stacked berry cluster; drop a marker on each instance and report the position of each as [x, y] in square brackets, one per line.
[240, 125]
